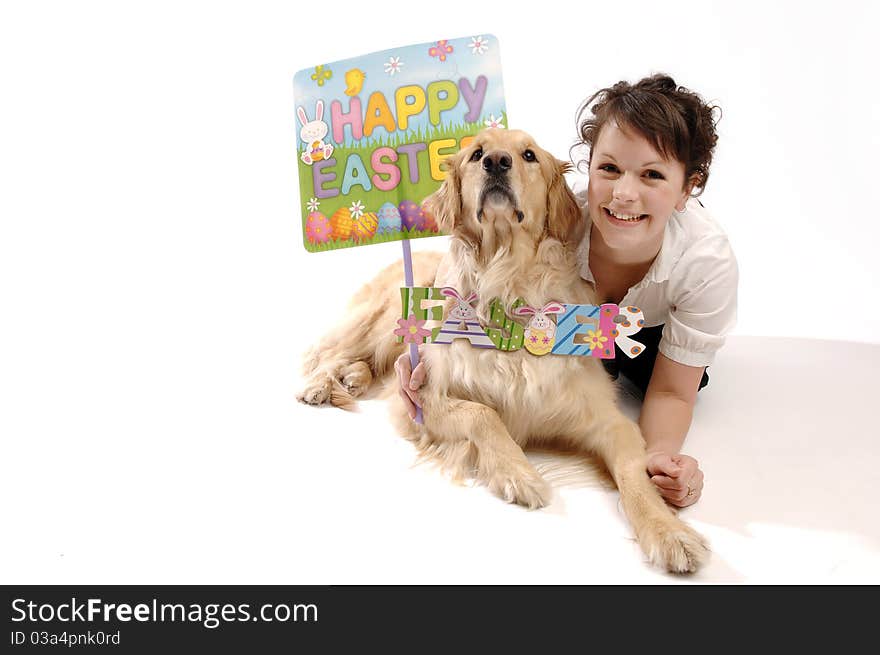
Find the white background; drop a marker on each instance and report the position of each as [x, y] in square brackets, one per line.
[155, 296]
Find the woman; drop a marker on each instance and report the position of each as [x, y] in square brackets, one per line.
[650, 243]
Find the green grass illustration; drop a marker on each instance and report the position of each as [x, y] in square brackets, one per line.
[375, 198]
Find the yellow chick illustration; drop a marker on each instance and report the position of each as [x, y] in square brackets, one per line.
[355, 80]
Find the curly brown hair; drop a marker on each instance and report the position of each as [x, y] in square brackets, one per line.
[676, 121]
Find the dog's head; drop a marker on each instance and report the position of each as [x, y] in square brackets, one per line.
[503, 187]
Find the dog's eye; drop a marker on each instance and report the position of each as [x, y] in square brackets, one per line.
[529, 155]
[478, 154]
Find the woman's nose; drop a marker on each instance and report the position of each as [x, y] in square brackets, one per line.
[625, 188]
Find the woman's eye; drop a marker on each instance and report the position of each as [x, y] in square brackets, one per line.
[528, 155]
[655, 175]
[608, 168]
[478, 154]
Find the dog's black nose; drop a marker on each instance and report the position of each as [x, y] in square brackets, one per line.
[497, 162]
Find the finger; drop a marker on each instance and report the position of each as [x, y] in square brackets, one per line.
[669, 484]
[663, 464]
[407, 402]
[413, 397]
[689, 466]
[692, 494]
[687, 501]
[683, 460]
[692, 498]
[672, 493]
[676, 500]
[412, 383]
[418, 377]
[402, 366]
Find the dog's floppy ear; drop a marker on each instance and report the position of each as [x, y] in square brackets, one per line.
[563, 214]
[445, 203]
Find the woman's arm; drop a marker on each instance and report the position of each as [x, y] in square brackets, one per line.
[666, 417]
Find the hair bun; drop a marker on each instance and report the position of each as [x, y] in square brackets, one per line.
[658, 82]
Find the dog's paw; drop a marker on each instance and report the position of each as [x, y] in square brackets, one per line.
[356, 378]
[521, 484]
[675, 546]
[316, 392]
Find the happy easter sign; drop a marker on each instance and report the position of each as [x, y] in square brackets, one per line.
[373, 131]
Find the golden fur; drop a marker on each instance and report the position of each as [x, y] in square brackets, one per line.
[483, 406]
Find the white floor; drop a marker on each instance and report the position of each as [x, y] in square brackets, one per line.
[784, 433]
[240, 484]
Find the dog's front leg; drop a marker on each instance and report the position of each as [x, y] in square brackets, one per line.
[665, 539]
[499, 461]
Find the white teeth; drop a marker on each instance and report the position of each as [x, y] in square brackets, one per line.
[624, 217]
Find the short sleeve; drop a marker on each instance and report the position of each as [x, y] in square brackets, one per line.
[702, 295]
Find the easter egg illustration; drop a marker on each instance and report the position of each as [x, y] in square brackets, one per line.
[411, 216]
[429, 222]
[317, 228]
[389, 219]
[341, 224]
[365, 226]
[317, 151]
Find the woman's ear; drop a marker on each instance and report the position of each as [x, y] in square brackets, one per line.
[445, 203]
[692, 182]
[563, 213]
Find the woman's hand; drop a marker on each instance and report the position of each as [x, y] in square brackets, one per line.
[410, 382]
[678, 477]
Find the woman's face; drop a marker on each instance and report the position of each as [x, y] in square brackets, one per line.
[633, 190]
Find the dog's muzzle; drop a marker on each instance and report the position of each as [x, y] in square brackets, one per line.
[496, 164]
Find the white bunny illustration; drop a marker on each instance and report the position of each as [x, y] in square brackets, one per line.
[312, 134]
[462, 322]
[463, 311]
[540, 334]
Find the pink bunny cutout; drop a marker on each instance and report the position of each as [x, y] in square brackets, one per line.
[462, 322]
[540, 334]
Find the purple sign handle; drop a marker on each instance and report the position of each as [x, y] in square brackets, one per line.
[413, 348]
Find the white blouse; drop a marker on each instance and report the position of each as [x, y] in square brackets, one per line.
[690, 288]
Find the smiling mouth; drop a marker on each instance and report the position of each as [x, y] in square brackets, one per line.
[624, 218]
[498, 194]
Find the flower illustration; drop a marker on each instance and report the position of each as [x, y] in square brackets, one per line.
[393, 65]
[596, 339]
[440, 50]
[313, 204]
[411, 329]
[321, 74]
[479, 45]
[494, 122]
[356, 209]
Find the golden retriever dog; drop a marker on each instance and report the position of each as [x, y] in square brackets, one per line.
[515, 228]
